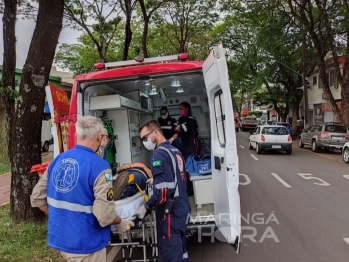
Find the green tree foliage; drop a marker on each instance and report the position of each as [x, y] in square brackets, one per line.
[256, 113]
[99, 19]
[185, 25]
[264, 49]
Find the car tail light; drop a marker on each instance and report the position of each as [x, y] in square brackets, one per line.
[262, 138]
[183, 56]
[324, 134]
[99, 65]
[289, 138]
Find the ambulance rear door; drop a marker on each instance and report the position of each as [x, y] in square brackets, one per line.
[225, 167]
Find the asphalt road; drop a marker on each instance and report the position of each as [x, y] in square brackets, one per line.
[294, 208]
[296, 217]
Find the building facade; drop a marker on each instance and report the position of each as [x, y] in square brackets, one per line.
[319, 110]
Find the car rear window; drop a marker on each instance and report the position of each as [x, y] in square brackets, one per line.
[275, 131]
[283, 124]
[335, 129]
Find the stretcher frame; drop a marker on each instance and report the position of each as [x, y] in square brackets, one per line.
[147, 229]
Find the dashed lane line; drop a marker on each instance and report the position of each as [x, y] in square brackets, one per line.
[281, 180]
[254, 157]
[346, 240]
[242, 146]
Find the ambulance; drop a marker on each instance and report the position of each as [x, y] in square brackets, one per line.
[127, 93]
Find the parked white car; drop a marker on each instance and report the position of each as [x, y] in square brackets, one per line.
[345, 153]
[270, 137]
[46, 136]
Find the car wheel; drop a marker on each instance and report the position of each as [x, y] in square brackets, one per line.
[314, 147]
[289, 151]
[346, 155]
[300, 143]
[258, 149]
[249, 145]
[46, 146]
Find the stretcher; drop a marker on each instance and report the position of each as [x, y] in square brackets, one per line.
[142, 235]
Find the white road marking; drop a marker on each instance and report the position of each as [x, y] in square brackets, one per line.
[346, 176]
[241, 146]
[281, 180]
[346, 240]
[253, 156]
[310, 176]
[248, 180]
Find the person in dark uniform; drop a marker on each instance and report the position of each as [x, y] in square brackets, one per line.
[169, 186]
[167, 124]
[187, 129]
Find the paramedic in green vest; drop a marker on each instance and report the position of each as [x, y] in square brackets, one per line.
[76, 191]
[169, 187]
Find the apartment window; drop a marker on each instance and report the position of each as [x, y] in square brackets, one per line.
[314, 80]
[333, 77]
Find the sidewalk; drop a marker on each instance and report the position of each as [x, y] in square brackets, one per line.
[5, 187]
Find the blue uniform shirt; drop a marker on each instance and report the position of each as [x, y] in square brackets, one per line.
[165, 183]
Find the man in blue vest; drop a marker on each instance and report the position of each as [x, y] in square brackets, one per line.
[76, 191]
[169, 198]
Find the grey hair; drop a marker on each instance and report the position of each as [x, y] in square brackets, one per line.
[87, 127]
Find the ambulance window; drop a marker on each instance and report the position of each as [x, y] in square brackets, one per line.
[220, 117]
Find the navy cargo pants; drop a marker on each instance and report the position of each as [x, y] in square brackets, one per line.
[172, 239]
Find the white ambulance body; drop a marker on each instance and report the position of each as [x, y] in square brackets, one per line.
[130, 92]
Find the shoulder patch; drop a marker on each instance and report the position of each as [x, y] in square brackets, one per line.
[156, 163]
[110, 194]
[108, 177]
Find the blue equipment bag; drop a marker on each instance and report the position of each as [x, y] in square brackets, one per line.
[197, 167]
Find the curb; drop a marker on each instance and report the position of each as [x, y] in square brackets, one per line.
[4, 204]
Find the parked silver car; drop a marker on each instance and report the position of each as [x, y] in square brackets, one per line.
[324, 135]
[345, 153]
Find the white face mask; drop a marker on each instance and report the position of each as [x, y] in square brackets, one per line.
[149, 144]
[164, 116]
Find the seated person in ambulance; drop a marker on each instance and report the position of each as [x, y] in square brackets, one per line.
[187, 129]
[103, 144]
[131, 179]
[167, 124]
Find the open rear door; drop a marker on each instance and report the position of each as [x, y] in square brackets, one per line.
[58, 103]
[225, 165]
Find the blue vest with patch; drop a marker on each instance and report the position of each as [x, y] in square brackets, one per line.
[72, 227]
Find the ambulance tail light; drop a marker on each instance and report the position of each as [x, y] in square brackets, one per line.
[183, 56]
[99, 65]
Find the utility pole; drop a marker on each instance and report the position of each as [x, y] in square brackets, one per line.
[305, 83]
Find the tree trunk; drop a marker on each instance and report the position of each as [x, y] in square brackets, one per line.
[128, 32]
[7, 103]
[26, 136]
[144, 37]
[295, 114]
[345, 103]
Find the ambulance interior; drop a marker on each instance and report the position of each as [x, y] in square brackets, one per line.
[128, 102]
